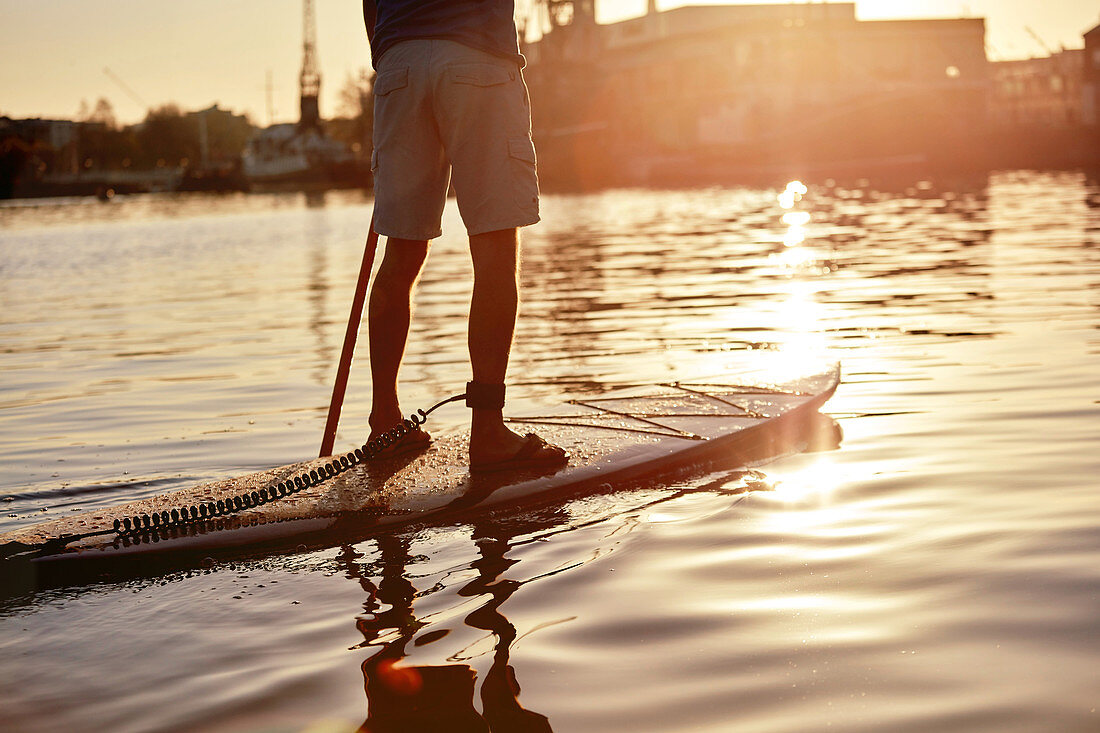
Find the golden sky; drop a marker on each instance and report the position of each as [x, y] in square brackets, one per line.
[200, 52]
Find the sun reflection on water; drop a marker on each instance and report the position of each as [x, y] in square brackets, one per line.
[794, 236]
[817, 480]
[792, 194]
[796, 221]
[800, 315]
[796, 218]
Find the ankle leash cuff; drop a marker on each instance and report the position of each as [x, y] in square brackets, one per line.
[481, 396]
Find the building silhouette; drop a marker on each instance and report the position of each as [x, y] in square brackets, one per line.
[702, 91]
[1090, 108]
[1039, 91]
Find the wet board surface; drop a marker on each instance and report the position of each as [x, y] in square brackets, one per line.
[617, 437]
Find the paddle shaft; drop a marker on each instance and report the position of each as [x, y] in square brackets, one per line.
[348, 351]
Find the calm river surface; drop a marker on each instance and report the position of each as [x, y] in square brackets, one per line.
[938, 571]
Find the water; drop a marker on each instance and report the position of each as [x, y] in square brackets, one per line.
[938, 571]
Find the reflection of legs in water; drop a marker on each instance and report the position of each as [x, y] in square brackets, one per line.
[409, 698]
[500, 690]
[440, 698]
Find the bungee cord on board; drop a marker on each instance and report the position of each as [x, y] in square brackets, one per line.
[139, 524]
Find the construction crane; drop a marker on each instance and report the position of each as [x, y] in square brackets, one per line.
[310, 80]
[1039, 40]
[125, 87]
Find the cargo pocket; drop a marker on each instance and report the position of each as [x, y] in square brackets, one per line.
[525, 182]
[391, 80]
[480, 75]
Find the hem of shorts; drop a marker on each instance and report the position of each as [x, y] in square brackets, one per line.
[395, 234]
[511, 223]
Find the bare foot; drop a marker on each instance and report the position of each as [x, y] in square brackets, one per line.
[496, 448]
[414, 441]
[493, 443]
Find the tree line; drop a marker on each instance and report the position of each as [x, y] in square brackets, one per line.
[168, 136]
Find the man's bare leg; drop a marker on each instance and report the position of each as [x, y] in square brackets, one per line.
[492, 326]
[388, 317]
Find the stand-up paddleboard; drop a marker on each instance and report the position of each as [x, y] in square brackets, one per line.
[621, 436]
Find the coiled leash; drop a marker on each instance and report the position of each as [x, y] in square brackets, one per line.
[279, 490]
[184, 516]
[476, 395]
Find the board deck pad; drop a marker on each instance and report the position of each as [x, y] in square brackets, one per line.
[622, 435]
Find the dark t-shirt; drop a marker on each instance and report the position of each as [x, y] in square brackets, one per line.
[487, 25]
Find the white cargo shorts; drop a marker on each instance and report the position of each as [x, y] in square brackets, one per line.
[445, 113]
